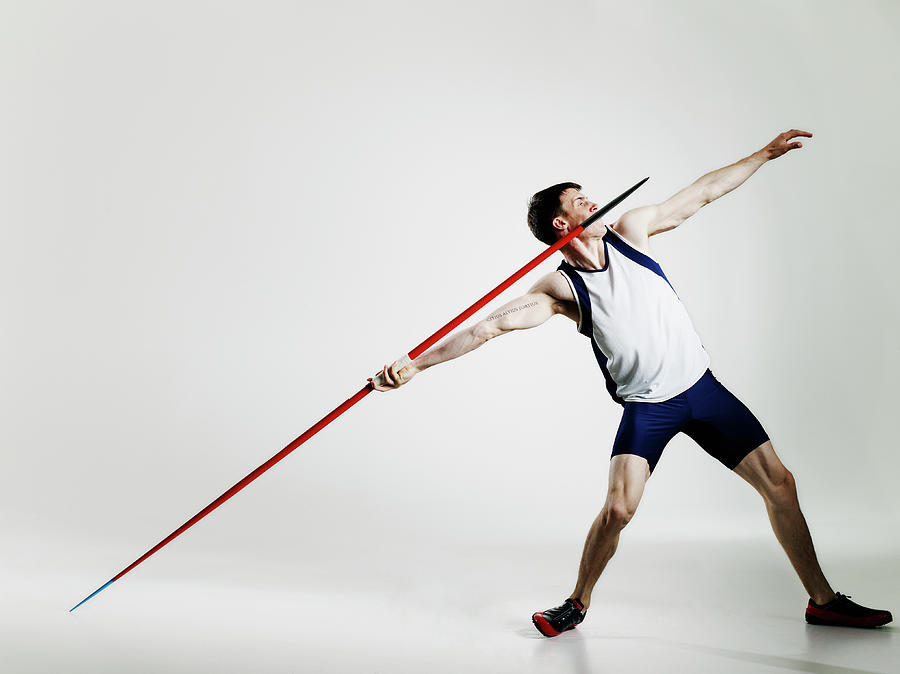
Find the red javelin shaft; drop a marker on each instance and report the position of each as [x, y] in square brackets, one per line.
[363, 392]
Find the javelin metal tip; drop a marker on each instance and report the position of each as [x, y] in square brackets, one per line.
[97, 591]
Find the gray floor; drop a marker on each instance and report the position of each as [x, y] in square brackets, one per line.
[714, 605]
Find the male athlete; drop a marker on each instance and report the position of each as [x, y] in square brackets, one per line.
[656, 368]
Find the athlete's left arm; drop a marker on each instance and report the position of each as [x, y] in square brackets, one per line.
[646, 221]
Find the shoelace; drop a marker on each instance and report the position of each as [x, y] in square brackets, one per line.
[837, 595]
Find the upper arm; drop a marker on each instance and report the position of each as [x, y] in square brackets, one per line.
[544, 299]
[646, 221]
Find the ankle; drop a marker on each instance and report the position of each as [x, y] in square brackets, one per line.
[822, 599]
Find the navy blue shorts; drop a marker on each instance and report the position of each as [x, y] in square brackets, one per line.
[707, 412]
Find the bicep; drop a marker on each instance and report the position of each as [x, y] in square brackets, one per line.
[678, 208]
[649, 220]
[527, 311]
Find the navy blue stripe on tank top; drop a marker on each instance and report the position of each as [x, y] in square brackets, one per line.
[635, 256]
[587, 324]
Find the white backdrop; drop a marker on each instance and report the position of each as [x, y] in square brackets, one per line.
[219, 218]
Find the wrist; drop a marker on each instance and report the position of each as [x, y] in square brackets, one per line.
[761, 156]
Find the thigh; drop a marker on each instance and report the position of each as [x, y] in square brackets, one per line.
[721, 424]
[628, 474]
[764, 471]
[646, 428]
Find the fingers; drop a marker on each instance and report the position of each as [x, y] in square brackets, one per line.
[381, 382]
[390, 377]
[782, 143]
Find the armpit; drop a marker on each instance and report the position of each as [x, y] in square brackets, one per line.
[568, 309]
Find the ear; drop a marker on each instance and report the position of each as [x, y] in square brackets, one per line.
[560, 224]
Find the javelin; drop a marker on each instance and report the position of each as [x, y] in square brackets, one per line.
[363, 392]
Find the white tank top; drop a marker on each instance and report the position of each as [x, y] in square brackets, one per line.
[640, 331]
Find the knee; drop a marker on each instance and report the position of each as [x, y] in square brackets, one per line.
[618, 514]
[784, 491]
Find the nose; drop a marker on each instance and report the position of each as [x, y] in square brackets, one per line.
[593, 207]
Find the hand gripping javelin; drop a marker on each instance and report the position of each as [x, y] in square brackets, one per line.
[365, 390]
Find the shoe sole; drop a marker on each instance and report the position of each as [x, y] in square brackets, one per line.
[843, 621]
[542, 626]
[545, 628]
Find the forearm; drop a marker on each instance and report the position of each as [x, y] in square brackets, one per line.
[721, 181]
[459, 343]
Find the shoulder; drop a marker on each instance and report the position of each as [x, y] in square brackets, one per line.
[633, 227]
[555, 285]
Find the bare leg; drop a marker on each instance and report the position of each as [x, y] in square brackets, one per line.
[775, 483]
[627, 475]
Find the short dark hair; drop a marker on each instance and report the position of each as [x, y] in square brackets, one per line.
[544, 207]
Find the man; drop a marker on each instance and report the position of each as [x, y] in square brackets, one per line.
[656, 367]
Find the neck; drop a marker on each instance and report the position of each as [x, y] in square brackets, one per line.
[586, 249]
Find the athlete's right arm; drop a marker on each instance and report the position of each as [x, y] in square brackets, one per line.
[549, 296]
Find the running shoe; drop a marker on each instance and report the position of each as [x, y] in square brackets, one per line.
[553, 621]
[842, 611]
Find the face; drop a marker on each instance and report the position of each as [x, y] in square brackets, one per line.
[576, 207]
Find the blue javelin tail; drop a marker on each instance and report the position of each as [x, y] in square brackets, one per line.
[97, 591]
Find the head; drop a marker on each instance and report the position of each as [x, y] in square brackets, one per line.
[555, 211]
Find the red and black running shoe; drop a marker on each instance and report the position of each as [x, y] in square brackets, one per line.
[556, 620]
[842, 611]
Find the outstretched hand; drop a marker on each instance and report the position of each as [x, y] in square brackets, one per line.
[782, 143]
